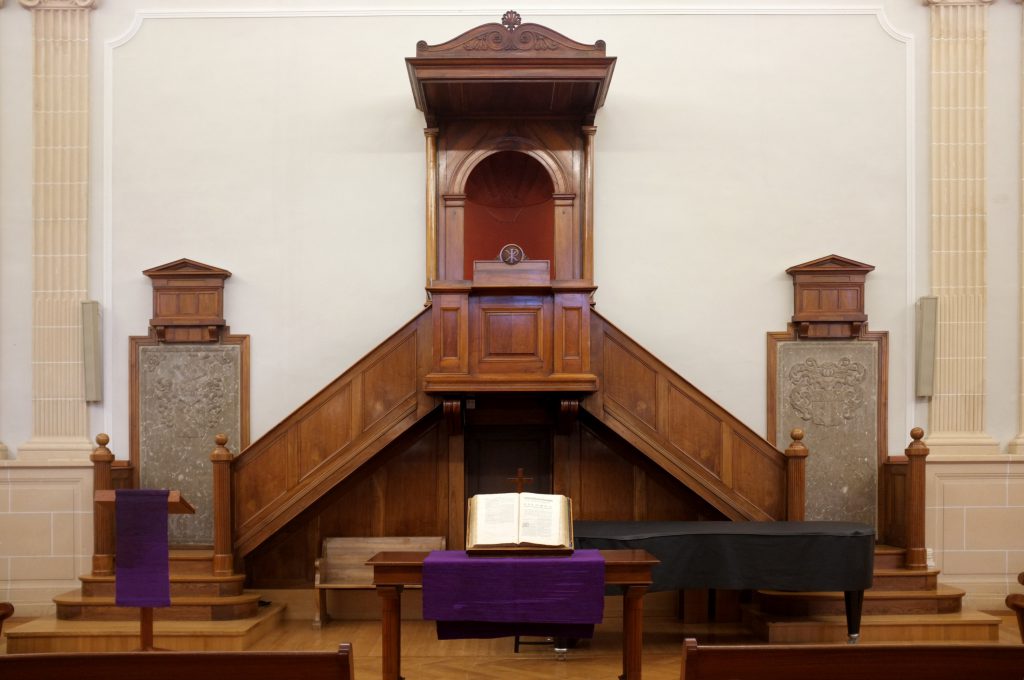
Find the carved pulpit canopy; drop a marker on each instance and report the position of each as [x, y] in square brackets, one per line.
[510, 69]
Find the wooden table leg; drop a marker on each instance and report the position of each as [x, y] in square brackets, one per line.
[632, 632]
[391, 631]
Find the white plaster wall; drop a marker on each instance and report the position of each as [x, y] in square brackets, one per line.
[783, 136]
[745, 141]
[15, 225]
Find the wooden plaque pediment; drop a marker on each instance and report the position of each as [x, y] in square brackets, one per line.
[828, 297]
[188, 301]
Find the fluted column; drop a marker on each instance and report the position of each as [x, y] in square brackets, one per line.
[958, 40]
[1017, 445]
[60, 203]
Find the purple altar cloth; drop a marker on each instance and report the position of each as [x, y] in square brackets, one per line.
[501, 596]
[142, 560]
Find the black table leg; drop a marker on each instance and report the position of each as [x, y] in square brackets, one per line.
[854, 604]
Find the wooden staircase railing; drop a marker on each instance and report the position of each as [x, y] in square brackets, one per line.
[902, 493]
[690, 436]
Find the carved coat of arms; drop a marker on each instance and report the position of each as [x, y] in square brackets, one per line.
[827, 393]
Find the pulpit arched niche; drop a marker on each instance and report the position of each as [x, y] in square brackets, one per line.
[510, 112]
[511, 192]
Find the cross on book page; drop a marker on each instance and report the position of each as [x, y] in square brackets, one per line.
[519, 480]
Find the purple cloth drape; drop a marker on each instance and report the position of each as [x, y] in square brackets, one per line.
[496, 597]
[142, 560]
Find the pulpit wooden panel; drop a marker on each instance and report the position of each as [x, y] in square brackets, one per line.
[694, 430]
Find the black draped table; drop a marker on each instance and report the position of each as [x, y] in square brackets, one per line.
[797, 556]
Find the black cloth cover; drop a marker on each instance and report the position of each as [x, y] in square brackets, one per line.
[801, 556]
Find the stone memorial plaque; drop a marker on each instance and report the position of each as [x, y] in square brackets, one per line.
[187, 394]
[830, 390]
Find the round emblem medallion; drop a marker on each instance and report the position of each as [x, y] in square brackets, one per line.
[511, 254]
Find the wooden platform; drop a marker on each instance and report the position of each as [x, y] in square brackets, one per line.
[55, 635]
[964, 626]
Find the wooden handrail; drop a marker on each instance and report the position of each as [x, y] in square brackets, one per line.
[917, 554]
[223, 560]
[102, 515]
[796, 476]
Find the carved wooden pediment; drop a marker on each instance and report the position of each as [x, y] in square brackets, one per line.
[510, 38]
[831, 263]
[186, 267]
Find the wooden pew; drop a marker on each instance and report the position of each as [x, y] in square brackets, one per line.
[852, 662]
[181, 665]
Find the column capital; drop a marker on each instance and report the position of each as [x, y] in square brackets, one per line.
[57, 4]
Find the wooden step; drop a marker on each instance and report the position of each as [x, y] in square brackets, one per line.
[194, 561]
[942, 600]
[964, 626]
[54, 635]
[890, 557]
[73, 606]
[905, 579]
[181, 585]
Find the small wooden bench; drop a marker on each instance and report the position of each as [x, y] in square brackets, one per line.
[852, 662]
[342, 565]
[179, 665]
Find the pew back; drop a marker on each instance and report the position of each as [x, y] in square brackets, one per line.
[852, 662]
[181, 665]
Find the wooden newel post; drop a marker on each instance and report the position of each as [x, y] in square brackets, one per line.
[796, 476]
[222, 552]
[917, 554]
[102, 515]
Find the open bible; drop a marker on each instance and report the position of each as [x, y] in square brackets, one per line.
[519, 521]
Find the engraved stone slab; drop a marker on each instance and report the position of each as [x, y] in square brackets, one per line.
[830, 390]
[187, 394]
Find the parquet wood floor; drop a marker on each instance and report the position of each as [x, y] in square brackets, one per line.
[426, 658]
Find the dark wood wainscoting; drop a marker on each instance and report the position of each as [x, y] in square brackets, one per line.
[417, 485]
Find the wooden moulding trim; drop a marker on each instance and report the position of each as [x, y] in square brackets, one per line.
[448, 383]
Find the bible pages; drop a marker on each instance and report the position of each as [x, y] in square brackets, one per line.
[519, 520]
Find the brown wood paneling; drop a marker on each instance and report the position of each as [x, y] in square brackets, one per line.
[384, 386]
[326, 430]
[606, 481]
[630, 382]
[401, 491]
[759, 478]
[389, 381]
[694, 431]
[682, 431]
[261, 481]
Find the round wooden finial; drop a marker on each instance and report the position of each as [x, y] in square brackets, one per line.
[797, 434]
[917, 434]
[221, 439]
[103, 439]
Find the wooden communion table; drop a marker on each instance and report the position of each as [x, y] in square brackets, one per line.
[630, 569]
